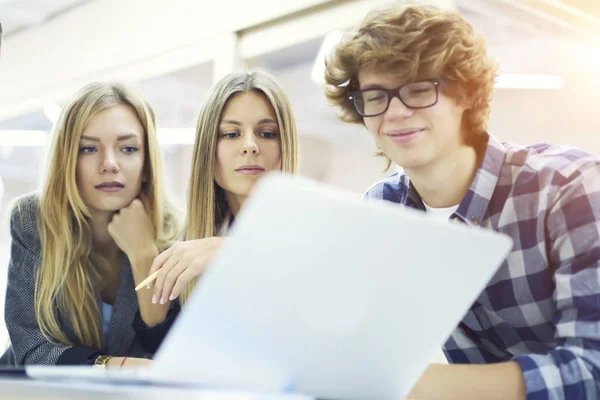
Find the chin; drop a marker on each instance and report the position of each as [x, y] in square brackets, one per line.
[110, 205]
[242, 189]
[409, 161]
[104, 209]
[410, 164]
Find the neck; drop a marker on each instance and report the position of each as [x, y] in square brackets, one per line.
[444, 183]
[103, 242]
[234, 202]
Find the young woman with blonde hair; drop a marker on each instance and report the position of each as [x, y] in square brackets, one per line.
[245, 129]
[81, 245]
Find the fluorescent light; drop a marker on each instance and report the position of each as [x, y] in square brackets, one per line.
[529, 81]
[176, 135]
[329, 42]
[22, 138]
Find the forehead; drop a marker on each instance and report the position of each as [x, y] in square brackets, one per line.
[372, 76]
[369, 76]
[115, 121]
[248, 106]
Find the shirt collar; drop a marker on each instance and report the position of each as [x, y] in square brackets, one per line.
[413, 198]
[473, 206]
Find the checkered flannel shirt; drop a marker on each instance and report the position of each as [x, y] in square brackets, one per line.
[542, 307]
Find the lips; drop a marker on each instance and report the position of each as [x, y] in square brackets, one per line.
[404, 136]
[404, 132]
[250, 168]
[110, 185]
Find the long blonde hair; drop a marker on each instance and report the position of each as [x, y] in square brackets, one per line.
[66, 280]
[206, 204]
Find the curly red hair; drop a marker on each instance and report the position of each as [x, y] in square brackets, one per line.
[416, 42]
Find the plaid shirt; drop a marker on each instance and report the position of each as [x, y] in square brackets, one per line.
[542, 307]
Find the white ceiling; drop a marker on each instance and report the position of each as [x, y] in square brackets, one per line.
[506, 24]
[176, 97]
[17, 15]
[551, 17]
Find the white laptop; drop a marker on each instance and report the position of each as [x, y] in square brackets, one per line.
[319, 292]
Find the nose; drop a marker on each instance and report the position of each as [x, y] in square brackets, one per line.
[109, 163]
[250, 145]
[398, 110]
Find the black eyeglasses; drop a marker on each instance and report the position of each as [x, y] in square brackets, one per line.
[414, 95]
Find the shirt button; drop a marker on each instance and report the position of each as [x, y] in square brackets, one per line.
[474, 221]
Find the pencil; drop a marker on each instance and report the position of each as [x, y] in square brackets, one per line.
[146, 281]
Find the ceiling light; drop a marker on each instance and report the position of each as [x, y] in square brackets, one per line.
[529, 81]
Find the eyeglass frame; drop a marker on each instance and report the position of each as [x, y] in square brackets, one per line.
[391, 93]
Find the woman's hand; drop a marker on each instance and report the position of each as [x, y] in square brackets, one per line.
[180, 264]
[132, 230]
[129, 362]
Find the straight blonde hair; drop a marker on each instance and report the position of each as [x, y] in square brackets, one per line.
[67, 279]
[207, 208]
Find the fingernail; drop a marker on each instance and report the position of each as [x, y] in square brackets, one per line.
[154, 299]
[162, 300]
[171, 297]
[149, 286]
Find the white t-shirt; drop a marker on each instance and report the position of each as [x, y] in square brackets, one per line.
[441, 214]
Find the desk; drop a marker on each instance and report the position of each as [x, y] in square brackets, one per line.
[27, 389]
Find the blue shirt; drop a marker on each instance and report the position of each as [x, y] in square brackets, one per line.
[106, 315]
[542, 307]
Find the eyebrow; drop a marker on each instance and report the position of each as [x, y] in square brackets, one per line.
[266, 121]
[261, 122]
[120, 138]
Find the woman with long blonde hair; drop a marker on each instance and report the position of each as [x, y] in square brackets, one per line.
[245, 129]
[81, 245]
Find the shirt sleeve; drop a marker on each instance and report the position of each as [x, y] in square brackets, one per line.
[150, 338]
[28, 344]
[572, 369]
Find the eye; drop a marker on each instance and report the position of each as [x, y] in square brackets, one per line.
[87, 150]
[129, 149]
[418, 92]
[268, 135]
[375, 97]
[230, 135]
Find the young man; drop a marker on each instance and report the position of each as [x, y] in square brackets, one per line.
[420, 79]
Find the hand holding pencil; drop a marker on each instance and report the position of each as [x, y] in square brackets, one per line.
[174, 268]
[148, 281]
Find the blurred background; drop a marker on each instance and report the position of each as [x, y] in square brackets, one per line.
[549, 53]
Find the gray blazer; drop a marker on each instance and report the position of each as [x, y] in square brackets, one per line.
[28, 344]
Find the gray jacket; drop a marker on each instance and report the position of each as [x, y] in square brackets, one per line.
[28, 344]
